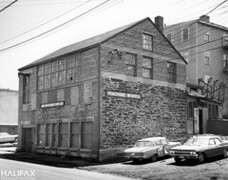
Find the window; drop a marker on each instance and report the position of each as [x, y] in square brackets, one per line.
[225, 60]
[26, 81]
[63, 135]
[207, 37]
[191, 106]
[86, 135]
[147, 42]
[207, 57]
[75, 131]
[169, 36]
[147, 68]
[185, 54]
[211, 142]
[185, 34]
[207, 78]
[217, 141]
[54, 135]
[40, 134]
[171, 72]
[130, 62]
[212, 111]
[48, 135]
[59, 72]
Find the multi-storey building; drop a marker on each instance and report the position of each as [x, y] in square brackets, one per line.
[205, 47]
[95, 97]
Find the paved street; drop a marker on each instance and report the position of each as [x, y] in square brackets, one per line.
[9, 170]
[216, 168]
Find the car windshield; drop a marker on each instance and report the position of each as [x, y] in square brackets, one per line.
[143, 144]
[196, 142]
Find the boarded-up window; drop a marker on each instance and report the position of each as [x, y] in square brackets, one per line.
[48, 135]
[86, 135]
[54, 135]
[40, 134]
[63, 135]
[75, 130]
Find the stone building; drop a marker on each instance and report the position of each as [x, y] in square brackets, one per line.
[8, 111]
[204, 45]
[98, 96]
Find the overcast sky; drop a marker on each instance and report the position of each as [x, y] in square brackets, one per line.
[29, 20]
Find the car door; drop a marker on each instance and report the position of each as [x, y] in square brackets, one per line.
[211, 149]
[219, 146]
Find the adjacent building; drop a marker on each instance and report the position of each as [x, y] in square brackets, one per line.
[205, 47]
[95, 97]
[8, 111]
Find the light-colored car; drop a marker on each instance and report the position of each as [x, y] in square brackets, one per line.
[149, 148]
[7, 138]
[199, 148]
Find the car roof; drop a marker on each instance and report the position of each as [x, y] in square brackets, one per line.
[152, 138]
[205, 136]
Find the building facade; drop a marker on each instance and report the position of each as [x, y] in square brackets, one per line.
[204, 46]
[96, 97]
[9, 111]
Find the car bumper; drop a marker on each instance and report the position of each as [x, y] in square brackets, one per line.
[136, 157]
[184, 156]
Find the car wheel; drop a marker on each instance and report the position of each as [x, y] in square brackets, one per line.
[201, 158]
[178, 160]
[224, 153]
[154, 157]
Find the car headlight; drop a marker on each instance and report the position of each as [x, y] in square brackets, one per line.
[193, 153]
[171, 152]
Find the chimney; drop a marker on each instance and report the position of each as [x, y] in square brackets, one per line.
[205, 18]
[159, 22]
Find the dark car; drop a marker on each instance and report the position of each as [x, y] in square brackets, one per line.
[199, 148]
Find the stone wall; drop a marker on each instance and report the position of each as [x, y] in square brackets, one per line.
[161, 111]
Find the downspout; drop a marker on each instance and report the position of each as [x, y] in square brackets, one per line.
[99, 100]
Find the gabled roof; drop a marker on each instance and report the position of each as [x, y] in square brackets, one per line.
[91, 42]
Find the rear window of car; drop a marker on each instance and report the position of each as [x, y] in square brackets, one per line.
[144, 144]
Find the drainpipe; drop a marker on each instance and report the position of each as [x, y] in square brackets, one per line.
[99, 100]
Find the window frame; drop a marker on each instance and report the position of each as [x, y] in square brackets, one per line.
[185, 34]
[26, 89]
[206, 58]
[171, 75]
[148, 42]
[132, 65]
[150, 69]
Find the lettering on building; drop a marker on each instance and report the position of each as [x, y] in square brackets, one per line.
[49, 105]
[123, 94]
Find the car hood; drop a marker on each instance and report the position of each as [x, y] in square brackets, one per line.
[187, 147]
[138, 149]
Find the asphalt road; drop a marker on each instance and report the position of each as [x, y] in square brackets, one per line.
[17, 170]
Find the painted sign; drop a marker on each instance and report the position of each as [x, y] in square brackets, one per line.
[123, 94]
[49, 105]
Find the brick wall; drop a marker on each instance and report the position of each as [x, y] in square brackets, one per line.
[160, 111]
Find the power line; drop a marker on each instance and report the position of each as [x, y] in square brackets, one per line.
[42, 24]
[8, 5]
[52, 29]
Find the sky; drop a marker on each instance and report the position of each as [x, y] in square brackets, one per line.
[31, 29]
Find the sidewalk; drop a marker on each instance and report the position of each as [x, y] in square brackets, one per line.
[49, 160]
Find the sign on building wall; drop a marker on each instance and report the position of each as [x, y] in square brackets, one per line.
[49, 105]
[123, 94]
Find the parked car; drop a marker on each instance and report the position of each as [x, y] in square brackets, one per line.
[199, 148]
[149, 148]
[7, 138]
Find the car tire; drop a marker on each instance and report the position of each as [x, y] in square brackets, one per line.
[154, 157]
[201, 158]
[177, 160]
[224, 153]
